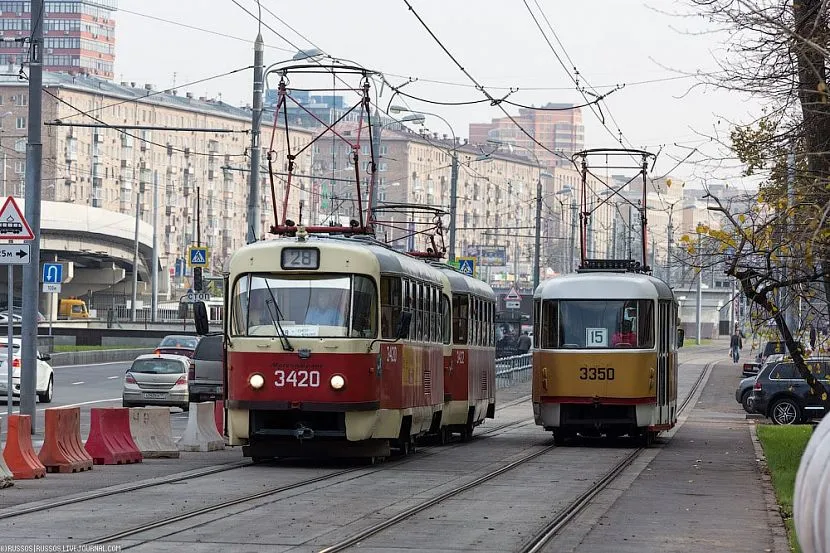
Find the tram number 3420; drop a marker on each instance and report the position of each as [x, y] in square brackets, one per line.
[596, 373]
[298, 379]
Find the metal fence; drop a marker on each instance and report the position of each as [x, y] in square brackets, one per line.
[513, 370]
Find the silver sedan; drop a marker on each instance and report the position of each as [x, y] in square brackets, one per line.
[157, 379]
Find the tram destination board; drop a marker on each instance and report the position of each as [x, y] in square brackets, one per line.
[14, 254]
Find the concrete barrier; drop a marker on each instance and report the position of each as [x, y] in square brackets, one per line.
[19, 454]
[6, 476]
[96, 356]
[201, 433]
[62, 450]
[152, 432]
[110, 441]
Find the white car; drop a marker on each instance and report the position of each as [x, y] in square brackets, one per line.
[45, 376]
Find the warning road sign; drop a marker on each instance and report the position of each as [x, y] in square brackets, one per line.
[197, 256]
[467, 265]
[13, 225]
[512, 294]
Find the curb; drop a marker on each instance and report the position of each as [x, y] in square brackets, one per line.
[780, 542]
[91, 357]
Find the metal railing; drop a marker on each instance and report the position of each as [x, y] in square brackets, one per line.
[513, 370]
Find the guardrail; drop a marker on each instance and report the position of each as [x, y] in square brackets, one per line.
[513, 370]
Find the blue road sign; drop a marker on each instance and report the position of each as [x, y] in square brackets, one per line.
[52, 273]
[198, 256]
[467, 265]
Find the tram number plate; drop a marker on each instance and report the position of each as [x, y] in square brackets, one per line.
[596, 373]
[297, 379]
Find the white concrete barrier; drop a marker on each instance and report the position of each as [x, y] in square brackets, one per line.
[152, 432]
[6, 476]
[201, 433]
[811, 497]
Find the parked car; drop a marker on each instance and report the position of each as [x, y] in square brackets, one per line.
[782, 395]
[744, 391]
[178, 345]
[754, 368]
[205, 380]
[156, 379]
[45, 383]
[17, 316]
[772, 347]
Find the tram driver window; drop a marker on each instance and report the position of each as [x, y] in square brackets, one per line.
[364, 313]
[550, 332]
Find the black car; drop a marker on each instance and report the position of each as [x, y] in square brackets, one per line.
[743, 392]
[773, 347]
[781, 394]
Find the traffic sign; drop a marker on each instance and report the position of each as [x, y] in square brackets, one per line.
[513, 304]
[193, 297]
[51, 288]
[467, 265]
[13, 225]
[513, 294]
[14, 254]
[197, 256]
[52, 273]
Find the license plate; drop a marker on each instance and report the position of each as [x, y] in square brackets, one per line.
[155, 396]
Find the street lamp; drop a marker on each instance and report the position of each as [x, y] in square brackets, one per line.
[453, 175]
[538, 236]
[3, 130]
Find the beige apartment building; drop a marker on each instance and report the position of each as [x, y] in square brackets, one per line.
[112, 168]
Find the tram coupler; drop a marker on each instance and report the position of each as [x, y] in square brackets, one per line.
[304, 433]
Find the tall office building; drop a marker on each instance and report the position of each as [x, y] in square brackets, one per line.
[557, 126]
[79, 35]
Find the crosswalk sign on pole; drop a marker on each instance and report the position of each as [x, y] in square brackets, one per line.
[197, 256]
[467, 265]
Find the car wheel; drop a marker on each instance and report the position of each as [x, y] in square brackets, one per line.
[745, 401]
[785, 411]
[46, 397]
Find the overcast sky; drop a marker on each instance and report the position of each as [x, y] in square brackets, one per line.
[610, 42]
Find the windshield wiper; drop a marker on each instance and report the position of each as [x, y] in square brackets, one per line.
[286, 345]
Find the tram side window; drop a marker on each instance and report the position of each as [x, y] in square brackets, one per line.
[537, 317]
[391, 294]
[549, 338]
[408, 306]
[435, 320]
[446, 319]
[460, 311]
[365, 311]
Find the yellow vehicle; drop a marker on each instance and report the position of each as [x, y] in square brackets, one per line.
[72, 308]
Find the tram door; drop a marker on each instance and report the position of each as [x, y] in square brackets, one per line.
[663, 329]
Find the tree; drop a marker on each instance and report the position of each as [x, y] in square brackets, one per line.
[779, 249]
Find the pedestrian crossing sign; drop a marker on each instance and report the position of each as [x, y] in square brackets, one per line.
[197, 256]
[467, 265]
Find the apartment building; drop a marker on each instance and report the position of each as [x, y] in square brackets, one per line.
[162, 169]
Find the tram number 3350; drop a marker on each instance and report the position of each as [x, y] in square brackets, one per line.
[596, 373]
[298, 379]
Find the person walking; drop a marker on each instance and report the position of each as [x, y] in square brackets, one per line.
[524, 343]
[736, 344]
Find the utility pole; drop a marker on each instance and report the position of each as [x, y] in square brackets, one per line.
[453, 199]
[254, 222]
[198, 217]
[669, 246]
[699, 296]
[538, 244]
[31, 272]
[135, 258]
[154, 274]
[377, 128]
[572, 244]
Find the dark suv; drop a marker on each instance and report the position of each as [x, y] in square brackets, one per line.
[781, 394]
[205, 381]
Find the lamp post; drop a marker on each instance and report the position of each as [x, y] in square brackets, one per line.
[537, 245]
[453, 175]
[2, 131]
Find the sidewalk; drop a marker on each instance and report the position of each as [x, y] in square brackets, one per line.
[701, 491]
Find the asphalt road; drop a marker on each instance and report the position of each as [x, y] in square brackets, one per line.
[86, 386]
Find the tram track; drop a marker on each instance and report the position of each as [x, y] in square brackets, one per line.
[550, 529]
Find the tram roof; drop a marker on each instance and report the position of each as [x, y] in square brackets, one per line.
[599, 285]
[461, 283]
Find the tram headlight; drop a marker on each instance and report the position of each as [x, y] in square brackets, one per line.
[256, 381]
[337, 382]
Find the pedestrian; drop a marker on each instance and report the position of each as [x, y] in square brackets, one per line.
[524, 343]
[813, 337]
[736, 344]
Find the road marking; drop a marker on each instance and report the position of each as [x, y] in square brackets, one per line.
[114, 377]
[76, 383]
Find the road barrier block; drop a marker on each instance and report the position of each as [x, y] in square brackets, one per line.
[219, 415]
[152, 432]
[110, 441]
[62, 450]
[19, 454]
[201, 433]
[6, 476]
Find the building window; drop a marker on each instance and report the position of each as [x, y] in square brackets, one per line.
[21, 122]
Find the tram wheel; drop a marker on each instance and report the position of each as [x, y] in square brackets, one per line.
[647, 438]
[467, 433]
[559, 437]
[444, 435]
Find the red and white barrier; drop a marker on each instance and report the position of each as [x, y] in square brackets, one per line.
[152, 432]
[110, 441]
[201, 433]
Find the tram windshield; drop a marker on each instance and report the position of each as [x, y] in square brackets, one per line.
[597, 324]
[331, 306]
